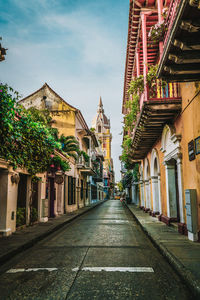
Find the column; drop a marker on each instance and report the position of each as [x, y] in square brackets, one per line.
[154, 180]
[142, 192]
[159, 196]
[8, 203]
[138, 62]
[180, 189]
[147, 194]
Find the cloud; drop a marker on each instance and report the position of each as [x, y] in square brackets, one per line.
[86, 33]
[78, 50]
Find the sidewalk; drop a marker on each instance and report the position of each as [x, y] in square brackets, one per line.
[27, 237]
[182, 254]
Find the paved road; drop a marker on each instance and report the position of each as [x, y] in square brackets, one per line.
[101, 255]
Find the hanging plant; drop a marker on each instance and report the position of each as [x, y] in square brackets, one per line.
[165, 12]
[85, 156]
[127, 179]
[136, 85]
[157, 31]
[58, 163]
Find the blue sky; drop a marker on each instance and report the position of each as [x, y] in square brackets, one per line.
[77, 46]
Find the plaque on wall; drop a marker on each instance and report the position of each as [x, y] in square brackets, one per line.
[59, 179]
[191, 150]
[197, 145]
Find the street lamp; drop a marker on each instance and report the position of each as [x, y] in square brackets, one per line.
[2, 52]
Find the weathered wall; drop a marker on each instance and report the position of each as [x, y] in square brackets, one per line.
[190, 130]
[62, 114]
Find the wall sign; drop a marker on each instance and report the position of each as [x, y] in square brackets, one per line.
[191, 150]
[197, 145]
[59, 179]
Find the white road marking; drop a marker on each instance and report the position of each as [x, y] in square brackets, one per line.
[31, 270]
[117, 269]
[119, 221]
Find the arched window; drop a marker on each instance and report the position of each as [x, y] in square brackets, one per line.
[99, 128]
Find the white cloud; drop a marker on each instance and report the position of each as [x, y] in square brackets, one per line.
[76, 53]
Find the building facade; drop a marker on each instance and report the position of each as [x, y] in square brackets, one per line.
[75, 190]
[101, 126]
[166, 133]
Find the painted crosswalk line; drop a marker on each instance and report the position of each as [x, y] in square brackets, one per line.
[116, 269]
[31, 270]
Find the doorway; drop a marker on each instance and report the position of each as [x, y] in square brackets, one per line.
[21, 201]
[52, 197]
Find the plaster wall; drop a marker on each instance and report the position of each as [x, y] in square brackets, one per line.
[62, 114]
[191, 130]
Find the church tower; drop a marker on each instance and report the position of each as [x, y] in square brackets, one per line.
[101, 125]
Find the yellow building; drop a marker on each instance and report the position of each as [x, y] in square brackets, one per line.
[101, 125]
[74, 192]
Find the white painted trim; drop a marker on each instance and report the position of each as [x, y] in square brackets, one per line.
[6, 232]
[155, 179]
[192, 236]
[45, 219]
[174, 153]
[180, 190]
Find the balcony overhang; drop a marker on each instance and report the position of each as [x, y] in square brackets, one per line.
[154, 115]
[181, 59]
[87, 171]
[97, 178]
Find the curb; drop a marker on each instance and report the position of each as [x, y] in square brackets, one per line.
[29, 244]
[183, 273]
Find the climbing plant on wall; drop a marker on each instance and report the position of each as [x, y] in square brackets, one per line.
[26, 142]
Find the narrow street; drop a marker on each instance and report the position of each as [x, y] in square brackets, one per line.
[101, 255]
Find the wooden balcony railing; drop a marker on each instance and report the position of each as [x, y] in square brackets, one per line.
[157, 92]
[166, 92]
[170, 18]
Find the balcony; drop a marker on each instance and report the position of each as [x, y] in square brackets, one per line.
[180, 60]
[160, 105]
[85, 167]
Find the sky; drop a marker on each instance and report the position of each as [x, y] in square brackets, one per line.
[78, 47]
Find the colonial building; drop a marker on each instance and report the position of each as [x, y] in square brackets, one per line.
[166, 134]
[101, 125]
[74, 192]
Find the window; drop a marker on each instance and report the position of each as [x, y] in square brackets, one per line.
[74, 190]
[99, 128]
[71, 190]
[81, 189]
[87, 187]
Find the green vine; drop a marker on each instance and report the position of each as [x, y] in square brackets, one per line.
[26, 137]
[136, 85]
[132, 106]
[85, 156]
